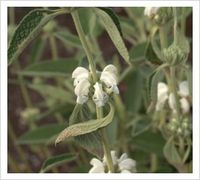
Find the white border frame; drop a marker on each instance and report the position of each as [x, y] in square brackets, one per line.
[3, 168]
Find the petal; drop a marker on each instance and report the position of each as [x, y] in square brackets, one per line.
[96, 162]
[184, 89]
[81, 99]
[125, 171]
[127, 164]
[97, 169]
[99, 97]
[80, 71]
[162, 95]
[82, 88]
[185, 106]
[123, 157]
[108, 78]
[110, 68]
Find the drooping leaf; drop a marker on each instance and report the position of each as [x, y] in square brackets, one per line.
[91, 141]
[171, 153]
[41, 135]
[57, 160]
[54, 92]
[86, 127]
[112, 26]
[49, 68]
[68, 39]
[30, 26]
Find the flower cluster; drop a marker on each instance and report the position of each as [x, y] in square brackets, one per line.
[180, 128]
[122, 165]
[106, 85]
[163, 95]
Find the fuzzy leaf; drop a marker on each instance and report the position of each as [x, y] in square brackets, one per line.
[59, 67]
[30, 26]
[56, 93]
[69, 39]
[57, 160]
[171, 153]
[86, 127]
[112, 26]
[91, 141]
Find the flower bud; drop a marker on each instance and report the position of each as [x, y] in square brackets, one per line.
[159, 15]
[174, 55]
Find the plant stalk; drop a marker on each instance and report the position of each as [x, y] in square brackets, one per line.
[105, 143]
[75, 17]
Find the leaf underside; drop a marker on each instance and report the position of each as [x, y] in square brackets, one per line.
[86, 127]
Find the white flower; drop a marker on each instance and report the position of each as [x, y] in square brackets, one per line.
[151, 11]
[126, 165]
[79, 74]
[183, 89]
[99, 97]
[185, 106]
[98, 166]
[172, 102]
[123, 164]
[109, 77]
[162, 95]
[81, 90]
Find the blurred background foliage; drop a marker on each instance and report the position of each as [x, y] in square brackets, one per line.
[41, 97]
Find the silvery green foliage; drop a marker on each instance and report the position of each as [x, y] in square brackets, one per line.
[124, 164]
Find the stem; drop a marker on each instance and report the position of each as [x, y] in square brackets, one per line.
[122, 122]
[83, 40]
[175, 25]
[163, 37]
[183, 22]
[174, 90]
[53, 47]
[105, 143]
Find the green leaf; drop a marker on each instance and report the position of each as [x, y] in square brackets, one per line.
[49, 68]
[30, 26]
[133, 94]
[149, 142]
[171, 153]
[41, 135]
[69, 39]
[151, 55]
[91, 141]
[112, 26]
[64, 108]
[89, 22]
[37, 50]
[86, 127]
[57, 160]
[137, 53]
[54, 92]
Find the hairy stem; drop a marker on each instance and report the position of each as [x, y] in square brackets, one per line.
[84, 43]
[105, 143]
